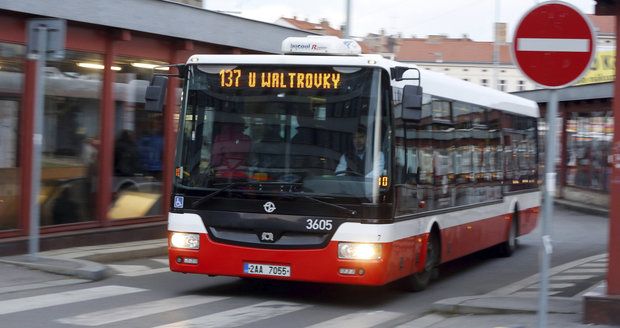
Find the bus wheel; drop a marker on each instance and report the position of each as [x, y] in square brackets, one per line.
[420, 280]
[508, 247]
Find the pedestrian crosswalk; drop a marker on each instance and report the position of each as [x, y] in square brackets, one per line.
[62, 298]
[568, 280]
[240, 316]
[118, 314]
[124, 306]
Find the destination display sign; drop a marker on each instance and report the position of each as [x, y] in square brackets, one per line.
[239, 78]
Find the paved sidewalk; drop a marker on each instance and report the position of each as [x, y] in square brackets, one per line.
[71, 265]
[516, 305]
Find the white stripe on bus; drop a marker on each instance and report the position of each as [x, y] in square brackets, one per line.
[387, 233]
[186, 222]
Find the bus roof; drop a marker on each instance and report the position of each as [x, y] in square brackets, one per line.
[433, 83]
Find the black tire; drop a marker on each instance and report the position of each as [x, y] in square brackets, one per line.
[508, 247]
[420, 280]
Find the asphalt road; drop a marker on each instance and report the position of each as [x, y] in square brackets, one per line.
[143, 294]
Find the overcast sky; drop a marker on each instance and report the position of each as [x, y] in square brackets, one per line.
[409, 17]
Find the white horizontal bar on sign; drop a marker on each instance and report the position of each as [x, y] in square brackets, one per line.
[555, 45]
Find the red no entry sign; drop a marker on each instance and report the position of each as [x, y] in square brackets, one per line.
[553, 44]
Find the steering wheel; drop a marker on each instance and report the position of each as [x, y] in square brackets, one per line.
[349, 173]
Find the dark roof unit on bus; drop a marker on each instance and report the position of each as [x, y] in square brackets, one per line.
[163, 18]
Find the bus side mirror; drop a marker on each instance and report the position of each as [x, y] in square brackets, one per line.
[156, 94]
[412, 102]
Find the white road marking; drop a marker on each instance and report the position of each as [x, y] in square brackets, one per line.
[162, 261]
[358, 320]
[586, 270]
[534, 294]
[126, 268]
[105, 317]
[74, 296]
[145, 272]
[240, 316]
[571, 278]
[595, 265]
[423, 322]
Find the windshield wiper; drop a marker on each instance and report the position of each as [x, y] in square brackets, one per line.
[217, 192]
[235, 184]
[316, 200]
[286, 194]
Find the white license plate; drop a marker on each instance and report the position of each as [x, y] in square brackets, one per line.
[267, 269]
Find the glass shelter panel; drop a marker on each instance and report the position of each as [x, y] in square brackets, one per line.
[71, 138]
[589, 139]
[11, 90]
[138, 142]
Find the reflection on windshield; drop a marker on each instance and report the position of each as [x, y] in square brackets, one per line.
[328, 141]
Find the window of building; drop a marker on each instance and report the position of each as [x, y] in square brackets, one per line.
[70, 159]
[502, 85]
[465, 70]
[521, 85]
[466, 79]
[11, 75]
[446, 69]
[484, 82]
[138, 144]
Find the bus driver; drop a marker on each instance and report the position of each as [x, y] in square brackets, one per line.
[353, 161]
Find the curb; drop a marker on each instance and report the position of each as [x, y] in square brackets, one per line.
[126, 254]
[582, 208]
[82, 269]
[486, 304]
[85, 262]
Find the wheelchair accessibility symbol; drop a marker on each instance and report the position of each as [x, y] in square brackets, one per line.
[178, 201]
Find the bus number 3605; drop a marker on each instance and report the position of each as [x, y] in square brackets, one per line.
[317, 224]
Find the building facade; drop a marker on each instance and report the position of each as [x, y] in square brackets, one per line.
[585, 138]
[473, 61]
[106, 161]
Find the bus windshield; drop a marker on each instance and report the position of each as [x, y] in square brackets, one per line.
[316, 130]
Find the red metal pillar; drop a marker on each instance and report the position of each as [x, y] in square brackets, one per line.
[106, 136]
[613, 273]
[25, 141]
[169, 132]
[603, 306]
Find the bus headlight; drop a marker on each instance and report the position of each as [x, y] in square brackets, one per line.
[185, 240]
[359, 251]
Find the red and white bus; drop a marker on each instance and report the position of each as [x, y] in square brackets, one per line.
[326, 165]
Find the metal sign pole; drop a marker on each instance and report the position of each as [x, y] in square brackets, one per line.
[46, 40]
[37, 139]
[549, 191]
